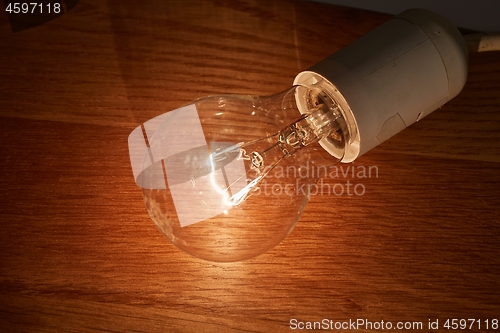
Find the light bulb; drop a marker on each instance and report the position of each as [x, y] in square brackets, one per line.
[227, 177]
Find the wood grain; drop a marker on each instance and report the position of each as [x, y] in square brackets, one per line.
[79, 252]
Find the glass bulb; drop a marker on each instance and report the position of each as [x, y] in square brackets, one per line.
[226, 178]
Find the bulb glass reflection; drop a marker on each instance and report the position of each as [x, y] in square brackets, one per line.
[226, 178]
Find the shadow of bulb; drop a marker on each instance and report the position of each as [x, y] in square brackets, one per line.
[226, 178]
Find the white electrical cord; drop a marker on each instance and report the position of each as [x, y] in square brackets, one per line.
[483, 42]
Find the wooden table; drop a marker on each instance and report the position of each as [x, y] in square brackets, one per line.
[79, 252]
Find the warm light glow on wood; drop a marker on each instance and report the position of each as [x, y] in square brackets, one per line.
[79, 251]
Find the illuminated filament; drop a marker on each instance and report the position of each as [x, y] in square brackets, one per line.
[311, 127]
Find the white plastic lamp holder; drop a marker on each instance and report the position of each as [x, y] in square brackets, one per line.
[392, 77]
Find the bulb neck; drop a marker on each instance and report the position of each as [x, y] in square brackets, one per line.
[316, 125]
[264, 154]
[335, 128]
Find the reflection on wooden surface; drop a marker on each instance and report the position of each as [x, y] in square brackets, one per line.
[80, 253]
